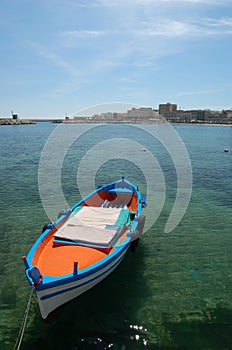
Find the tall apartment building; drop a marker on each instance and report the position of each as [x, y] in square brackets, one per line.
[167, 109]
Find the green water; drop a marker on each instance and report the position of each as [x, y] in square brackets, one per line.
[173, 293]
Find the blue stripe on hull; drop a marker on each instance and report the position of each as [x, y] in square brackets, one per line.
[51, 282]
[81, 284]
[50, 302]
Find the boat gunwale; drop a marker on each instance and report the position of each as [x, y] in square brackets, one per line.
[52, 281]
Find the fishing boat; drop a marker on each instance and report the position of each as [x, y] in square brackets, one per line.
[85, 244]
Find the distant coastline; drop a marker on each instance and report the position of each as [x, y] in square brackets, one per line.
[151, 122]
[167, 113]
[87, 121]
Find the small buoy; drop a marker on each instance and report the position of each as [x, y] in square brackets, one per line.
[226, 150]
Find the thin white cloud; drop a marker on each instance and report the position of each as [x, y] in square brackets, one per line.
[173, 28]
[218, 26]
[55, 59]
[200, 92]
[109, 3]
[117, 4]
[166, 28]
[79, 34]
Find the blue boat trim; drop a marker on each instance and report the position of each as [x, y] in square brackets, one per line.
[48, 296]
[51, 282]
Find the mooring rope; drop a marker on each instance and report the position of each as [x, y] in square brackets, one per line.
[23, 325]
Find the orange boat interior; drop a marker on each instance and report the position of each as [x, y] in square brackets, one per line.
[59, 260]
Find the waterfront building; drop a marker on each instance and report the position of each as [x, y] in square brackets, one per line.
[168, 110]
[143, 112]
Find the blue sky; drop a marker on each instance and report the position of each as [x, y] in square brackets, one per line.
[61, 56]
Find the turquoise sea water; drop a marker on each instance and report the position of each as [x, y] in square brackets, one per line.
[173, 293]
